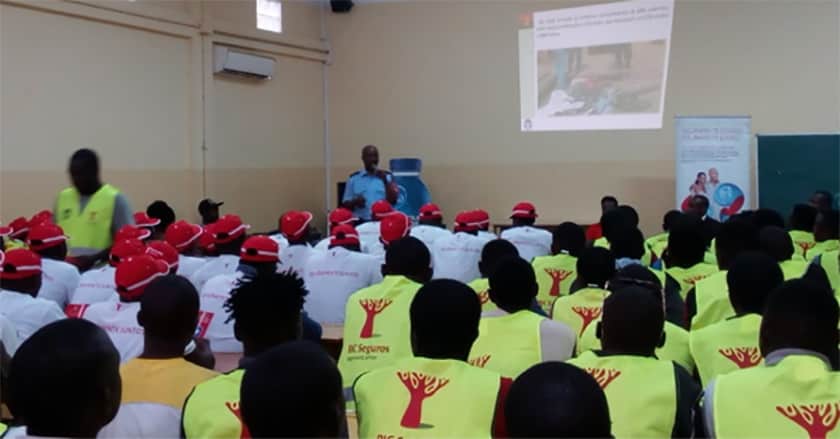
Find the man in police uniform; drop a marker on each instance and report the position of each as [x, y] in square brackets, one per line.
[90, 212]
[368, 185]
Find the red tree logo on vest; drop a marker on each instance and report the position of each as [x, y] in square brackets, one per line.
[557, 276]
[420, 387]
[603, 376]
[372, 307]
[805, 246]
[480, 361]
[817, 419]
[484, 297]
[691, 280]
[743, 357]
[588, 314]
[233, 406]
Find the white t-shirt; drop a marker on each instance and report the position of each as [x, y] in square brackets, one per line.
[94, 286]
[188, 265]
[323, 245]
[293, 257]
[212, 314]
[280, 240]
[8, 335]
[368, 233]
[487, 236]
[332, 276]
[58, 281]
[429, 234]
[456, 257]
[530, 241]
[119, 320]
[28, 314]
[222, 264]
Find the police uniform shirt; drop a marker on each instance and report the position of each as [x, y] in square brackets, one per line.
[369, 186]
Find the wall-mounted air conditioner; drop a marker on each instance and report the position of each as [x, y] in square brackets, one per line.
[230, 61]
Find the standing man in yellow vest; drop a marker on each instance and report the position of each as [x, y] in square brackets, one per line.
[582, 307]
[631, 375]
[685, 254]
[266, 312]
[802, 221]
[434, 392]
[90, 212]
[513, 337]
[493, 252]
[376, 330]
[733, 343]
[556, 273]
[777, 244]
[796, 393]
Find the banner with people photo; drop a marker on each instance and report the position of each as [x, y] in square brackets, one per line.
[713, 160]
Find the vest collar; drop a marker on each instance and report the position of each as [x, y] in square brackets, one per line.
[778, 355]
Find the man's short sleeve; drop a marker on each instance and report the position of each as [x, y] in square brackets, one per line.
[348, 189]
[122, 213]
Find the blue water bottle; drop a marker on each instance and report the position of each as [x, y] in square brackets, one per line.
[413, 192]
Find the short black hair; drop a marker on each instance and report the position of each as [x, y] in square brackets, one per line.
[87, 157]
[702, 198]
[633, 321]
[493, 253]
[735, 236]
[631, 217]
[670, 219]
[801, 315]
[292, 390]
[766, 217]
[595, 266]
[803, 217]
[408, 256]
[557, 400]
[169, 308]
[629, 243]
[160, 210]
[776, 243]
[513, 284]
[829, 222]
[267, 308]
[609, 199]
[639, 276]
[686, 242]
[569, 237]
[444, 318]
[64, 380]
[751, 278]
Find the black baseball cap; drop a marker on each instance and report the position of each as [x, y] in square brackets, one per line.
[207, 203]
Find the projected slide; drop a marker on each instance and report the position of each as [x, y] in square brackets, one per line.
[596, 67]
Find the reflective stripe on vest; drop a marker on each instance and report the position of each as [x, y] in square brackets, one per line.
[376, 327]
[580, 309]
[481, 286]
[798, 397]
[421, 397]
[632, 384]
[688, 277]
[508, 344]
[675, 348]
[91, 227]
[555, 275]
[830, 262]
[647, 258]
[803, 242]
[793, 268]
[212, 409]
[726, 346]
[712, 299]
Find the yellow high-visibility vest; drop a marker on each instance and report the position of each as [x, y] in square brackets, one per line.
[830, 262]
[91, 227]
[508, 344]
[675, 348]
[803, 242]
[688, 277]
[647, 258]
[481, 286]
[555, 275]
[212, 409]
[793, 268]
[426, 398]
[630, 384]
[657, 244]
[377, 330]
[726, 346]
[712, 299]
[580, 309]
[799, 397]
[823, 247]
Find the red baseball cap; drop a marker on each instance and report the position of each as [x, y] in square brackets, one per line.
[5, 231]
[165, 252]
[259, 248]
[125, 248]
[129, 231]
[341, 216]
[482, 217]
[394, 227]
[381, 209]
[136, 273]
[524, 210]
[206, 241]
[141, 219]
[466, 222]
[181, 234]
[293, 224]
[20, 263]
[44, 236]
[228, 228]
[44, 216]
[20, 227]
[430, 211]
[344, 234]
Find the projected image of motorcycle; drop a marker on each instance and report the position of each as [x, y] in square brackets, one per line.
[622, 78]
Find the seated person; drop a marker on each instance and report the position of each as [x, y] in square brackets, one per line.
[430, 225]
[493, 252]
[684, 258]
[456, 257]
[228, 233]
[184, 237]
[20, 281]
[556, 273]
[97, 285]
[296, 229]
[777, 244]
[59, 279]
[531, 242]
[802, 221]
[582, 308]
